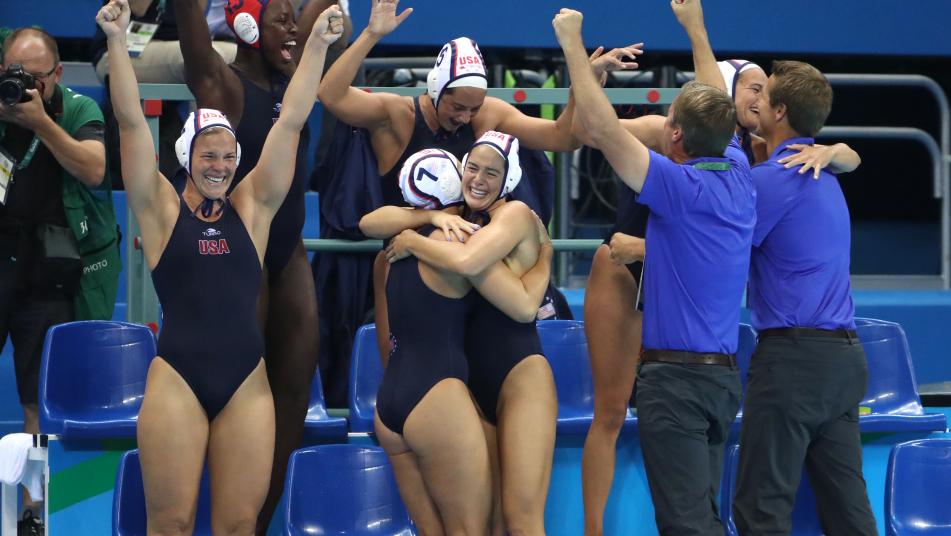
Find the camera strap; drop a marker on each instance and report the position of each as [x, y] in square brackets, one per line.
[6, 175]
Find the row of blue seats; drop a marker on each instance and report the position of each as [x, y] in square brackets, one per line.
[917, 487]
[92, 380]
[349, 490]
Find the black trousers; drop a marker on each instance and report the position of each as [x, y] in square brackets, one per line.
[801, 407]
[25, 315]
[684, 414]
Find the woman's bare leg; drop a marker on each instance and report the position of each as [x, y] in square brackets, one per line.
[444, 431]
[291, 339]
[240, 450]
[528, 413]
[172, 434]
[381, 269]
[613, 329]
[497, 521]
[409, 480]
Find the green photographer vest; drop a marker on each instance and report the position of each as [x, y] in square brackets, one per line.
[92, 219]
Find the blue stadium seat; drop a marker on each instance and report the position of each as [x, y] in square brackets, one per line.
[892, 393]
[805, 519]
[566, 348]
[744, 354]
[92, 378]
[744, 351]
[128, 500]
[11, 415]
[343, 490]
[917, 487]
[366, 373]
[318, 424]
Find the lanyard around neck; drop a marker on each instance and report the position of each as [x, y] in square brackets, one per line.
[713, 166]
[30, 152]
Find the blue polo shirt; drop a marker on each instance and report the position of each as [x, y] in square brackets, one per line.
[698, 251]
[799, 271]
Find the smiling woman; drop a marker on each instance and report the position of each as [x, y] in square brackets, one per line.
[203, 398]
[249, 93]
[209, 153]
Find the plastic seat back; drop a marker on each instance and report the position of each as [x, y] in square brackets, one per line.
[892, 395]
[128, 500]
[92, 378]
[317, 423]
[343, 490]
[918, 487]
[566, 348]
[744, 355]
[366, 373]
[805, 519]
[891, 384]
[744, 351]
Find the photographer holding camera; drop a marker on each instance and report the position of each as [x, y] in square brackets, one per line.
[59, 255]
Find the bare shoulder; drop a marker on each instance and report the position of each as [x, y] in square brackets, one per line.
[396, 104]
[514, 211]
[491, 115]
[400, 112]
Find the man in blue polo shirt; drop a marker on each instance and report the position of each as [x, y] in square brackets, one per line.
[702, 215]
[808, 373]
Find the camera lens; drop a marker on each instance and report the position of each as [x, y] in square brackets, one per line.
[11, 91]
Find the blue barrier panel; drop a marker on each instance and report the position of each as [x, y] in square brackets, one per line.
[875, 26]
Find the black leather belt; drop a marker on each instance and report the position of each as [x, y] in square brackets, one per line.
[848, 334]
[681, 357]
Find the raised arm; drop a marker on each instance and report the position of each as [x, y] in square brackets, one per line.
[349, 104]
[690, 15]
[492, 243]
[628, 156]
[518, 298]
[307, 18]
[271, 177]
[564, 134]
[534, 132]
[210, 80]
[149, 195]
[648, 129]
[601, 64]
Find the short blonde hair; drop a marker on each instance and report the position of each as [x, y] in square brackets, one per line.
[707, 117]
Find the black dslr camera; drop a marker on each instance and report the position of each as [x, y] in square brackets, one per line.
[13, 85]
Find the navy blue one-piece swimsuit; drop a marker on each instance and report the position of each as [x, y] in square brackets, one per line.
[427, 330]
[207, 281]
[495, 344]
